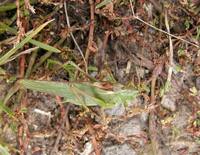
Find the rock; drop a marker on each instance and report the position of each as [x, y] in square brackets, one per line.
[88, 149]
[123, 149]
[9, 135]
[181, 118]
[3, 89]
[130, 128]
[168, 103]
[117, 110]
[198, 83]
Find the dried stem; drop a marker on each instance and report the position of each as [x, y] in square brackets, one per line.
[71, 34]
[154, 129]
[171, 52]
[160, 30]
[91, 32]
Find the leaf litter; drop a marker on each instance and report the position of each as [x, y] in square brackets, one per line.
[117, 76]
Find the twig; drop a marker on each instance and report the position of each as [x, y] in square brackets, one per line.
[154, 130]
[28, 6]
[171, 64]
[63, 122]
[156, 72]
[177, 37]
[22, 53]
[20, 140]
[171, 52]
[23, 131]
[71, 34]
[91, 32]
[23, 137]
[22, 65]
[101, 52]
[21, 31]
[93, 139]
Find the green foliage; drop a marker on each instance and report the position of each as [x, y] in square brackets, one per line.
[181, 52]
[10, 6]
[67, 67]
[5, 109]
[3, 150]
[11, 92]
[165, 89]
[6, 56]
[198, 33]
[103, 3]
[175, 132]
[81, 93]
[196, 122]
[193, 91]
[187, 24]
[2, 71]
[44, 46]
[70, 67]
[4, 27]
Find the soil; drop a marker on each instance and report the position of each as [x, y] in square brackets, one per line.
[124, 51]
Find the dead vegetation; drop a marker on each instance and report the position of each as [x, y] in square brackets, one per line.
[99, 77]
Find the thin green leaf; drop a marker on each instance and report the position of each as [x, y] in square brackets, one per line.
[4, 150]
[7, 7]
[2, 71]
[6, 56]
[70, 67]
[5, 109]
[44, 46]
[4, 27]
[81, 93]
[11, 6]
[79, 69]
[11, 92]
[103, 3]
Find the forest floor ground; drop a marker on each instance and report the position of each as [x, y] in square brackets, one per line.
[149, 46]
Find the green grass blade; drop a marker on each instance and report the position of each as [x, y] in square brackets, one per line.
[4, 27]
[4, 150]
[103, 3]
[70, 67]
[7, 7]
[11, 6]
[6, 56]
[11, 92]
[81, 93]
[5, 109]
[44, 46]
[79, 69]
[2, 71]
